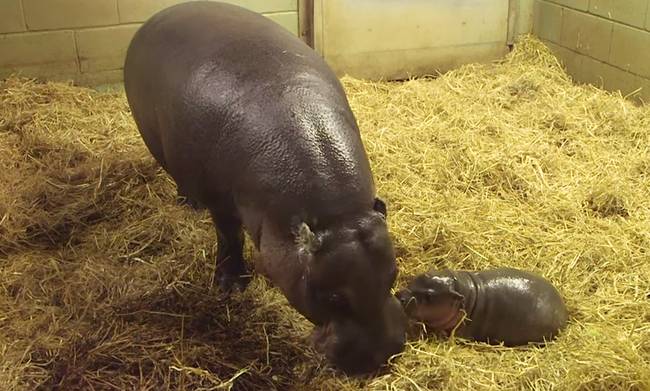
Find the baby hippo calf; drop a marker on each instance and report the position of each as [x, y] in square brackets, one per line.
[502, 305]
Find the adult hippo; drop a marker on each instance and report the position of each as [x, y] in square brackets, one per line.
[254, 126]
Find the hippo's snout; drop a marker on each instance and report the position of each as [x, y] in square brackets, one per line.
[406, 300]
[358, 348]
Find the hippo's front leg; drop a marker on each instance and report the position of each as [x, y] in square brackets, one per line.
[230, 270]
[182, 200]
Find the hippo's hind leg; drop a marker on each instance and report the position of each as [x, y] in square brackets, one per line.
[230, 270]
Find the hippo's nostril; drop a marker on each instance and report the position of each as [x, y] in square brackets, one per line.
[403, 297]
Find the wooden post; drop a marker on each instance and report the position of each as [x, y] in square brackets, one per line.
[306, 21]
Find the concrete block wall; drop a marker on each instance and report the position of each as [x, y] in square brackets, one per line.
[86, 40]
[398, 39]
[601, 42]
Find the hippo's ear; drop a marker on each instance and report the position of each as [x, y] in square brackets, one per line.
[380, 206]
[306, 239]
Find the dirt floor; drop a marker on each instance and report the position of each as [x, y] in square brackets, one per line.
[105, 283]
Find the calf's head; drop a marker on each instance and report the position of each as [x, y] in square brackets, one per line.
[433, 299]
[349, 270]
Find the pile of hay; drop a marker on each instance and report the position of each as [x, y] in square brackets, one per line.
[106, 284]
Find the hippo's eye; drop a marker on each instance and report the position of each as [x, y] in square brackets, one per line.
[426, 296]
[338, 301]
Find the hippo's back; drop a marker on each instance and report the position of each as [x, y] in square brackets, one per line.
[230, 103]
[517, 307]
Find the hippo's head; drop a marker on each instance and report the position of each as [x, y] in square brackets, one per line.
[432, 298]
[346, 287]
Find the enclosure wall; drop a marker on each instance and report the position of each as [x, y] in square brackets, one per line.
[398, 39]
[602, 42]
[86, 40]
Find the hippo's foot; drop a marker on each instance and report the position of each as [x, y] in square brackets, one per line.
[182, 200]
[230, 270]
[231, 276]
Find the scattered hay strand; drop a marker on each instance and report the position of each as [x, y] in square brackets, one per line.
[105, 282]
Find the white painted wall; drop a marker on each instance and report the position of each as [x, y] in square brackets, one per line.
[524, 16]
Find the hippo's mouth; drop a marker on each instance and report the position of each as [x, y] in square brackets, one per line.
[440, 316]
[323, 338]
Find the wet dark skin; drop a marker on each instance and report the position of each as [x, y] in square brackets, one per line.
[254, 126]
[504, 305]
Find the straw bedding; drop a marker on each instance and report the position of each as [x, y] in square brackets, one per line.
[105, 283]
